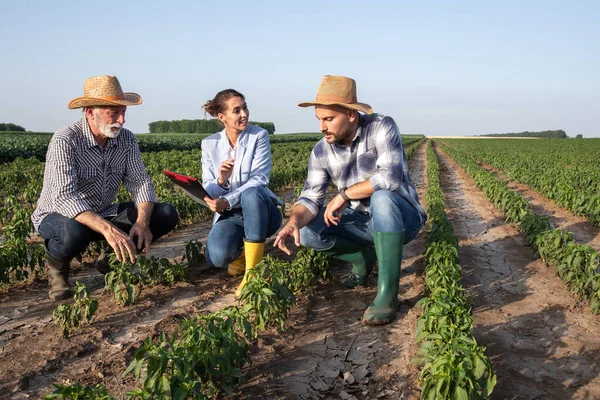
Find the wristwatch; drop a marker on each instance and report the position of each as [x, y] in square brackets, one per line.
[342, 193]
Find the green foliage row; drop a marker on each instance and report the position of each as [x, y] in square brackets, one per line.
[198, 126]
[577, 264]
[565, 172]
[556, 134]
[454, 366]
[13, 146]
[10, 127]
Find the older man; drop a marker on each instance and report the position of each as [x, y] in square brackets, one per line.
[85, 164]
[376, 210]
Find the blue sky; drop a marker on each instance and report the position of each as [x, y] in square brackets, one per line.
[438, 68]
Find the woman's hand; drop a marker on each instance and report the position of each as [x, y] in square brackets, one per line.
[225, 171]
[217, 205]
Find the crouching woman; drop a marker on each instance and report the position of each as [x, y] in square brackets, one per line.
[236, 165]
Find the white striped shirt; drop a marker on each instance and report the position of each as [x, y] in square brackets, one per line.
[82, 176]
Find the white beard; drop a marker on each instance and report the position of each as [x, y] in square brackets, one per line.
[106, 129]
[109, 133]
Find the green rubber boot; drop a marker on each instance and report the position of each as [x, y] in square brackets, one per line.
[388, 246]
[362, 259]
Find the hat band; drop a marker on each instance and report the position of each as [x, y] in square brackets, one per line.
[336, 98]
[109, 98]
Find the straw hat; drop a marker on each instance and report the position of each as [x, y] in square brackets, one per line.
[338, 90]
[104, 90]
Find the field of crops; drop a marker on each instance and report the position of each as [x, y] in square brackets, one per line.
[500, 294]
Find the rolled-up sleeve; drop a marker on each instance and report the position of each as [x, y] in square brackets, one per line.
[62, 179]
[388, 175]
[315, 187]
[136, 180]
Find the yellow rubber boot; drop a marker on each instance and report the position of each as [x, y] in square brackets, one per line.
[254, 253]
[237, 267]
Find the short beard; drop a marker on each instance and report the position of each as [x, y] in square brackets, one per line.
[106, 129]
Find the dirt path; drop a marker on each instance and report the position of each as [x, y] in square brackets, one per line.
[324, 333]
[327, 353]
[543, 343]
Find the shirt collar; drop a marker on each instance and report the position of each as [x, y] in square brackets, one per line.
[357, 135]
[224, 142]
[359, 129]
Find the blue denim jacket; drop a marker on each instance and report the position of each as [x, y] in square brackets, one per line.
[252, 164]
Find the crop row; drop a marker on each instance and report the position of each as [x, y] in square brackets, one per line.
[572, 182]
[578, 265]
[454, 365]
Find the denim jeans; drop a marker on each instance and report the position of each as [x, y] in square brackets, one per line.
[388, 212]
[257, 219]
[66, 238]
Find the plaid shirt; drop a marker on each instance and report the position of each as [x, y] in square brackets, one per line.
[376, 154]
[82, 176]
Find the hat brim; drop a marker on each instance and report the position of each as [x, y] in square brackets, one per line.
[129, 99]
[367, 109]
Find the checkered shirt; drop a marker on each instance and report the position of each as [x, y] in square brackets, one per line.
[82, 176]
[376, 154]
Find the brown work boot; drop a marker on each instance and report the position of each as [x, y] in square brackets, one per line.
[58, 277]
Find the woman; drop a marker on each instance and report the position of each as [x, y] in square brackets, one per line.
[236, 165]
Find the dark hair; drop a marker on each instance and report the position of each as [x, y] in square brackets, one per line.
[217, 105]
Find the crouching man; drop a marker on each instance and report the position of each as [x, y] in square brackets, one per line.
[376, 211]
[85, 164]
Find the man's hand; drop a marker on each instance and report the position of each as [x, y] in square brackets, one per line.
[120, 242]
[144, 236]
[334, 210]
[225, 171]
[217, 205]
[287, 230]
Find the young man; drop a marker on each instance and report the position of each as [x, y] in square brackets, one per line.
[376, 210]
[85, 164]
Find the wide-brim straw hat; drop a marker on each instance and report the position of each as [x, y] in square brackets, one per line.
[338, 90]
[104, 90]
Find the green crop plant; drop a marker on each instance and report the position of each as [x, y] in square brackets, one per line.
[267, 295]
[84, 308]
[193, 251]
[122, 282]
[77, 391]
[203, 358]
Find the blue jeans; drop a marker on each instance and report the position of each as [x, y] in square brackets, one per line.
[257, 219]
[388, 212]
[66, 238]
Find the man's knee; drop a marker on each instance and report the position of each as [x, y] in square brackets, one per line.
[167, 216]
[72, 241]
[382, 200]
[312, 239]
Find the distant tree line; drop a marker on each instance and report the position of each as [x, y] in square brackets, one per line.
[9, 127]
[557, 134]
[198, 126]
